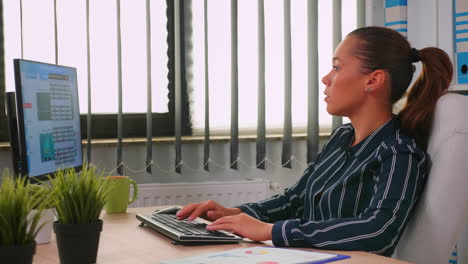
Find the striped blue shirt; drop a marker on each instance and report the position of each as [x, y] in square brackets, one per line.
[351, 197]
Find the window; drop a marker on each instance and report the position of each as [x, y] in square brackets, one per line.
[39, 44]
[34, 39]
[219, 18]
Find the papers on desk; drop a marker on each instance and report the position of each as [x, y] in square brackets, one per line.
[259, 255]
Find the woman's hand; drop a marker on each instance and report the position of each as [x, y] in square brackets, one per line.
[209, 210]
[245, 226]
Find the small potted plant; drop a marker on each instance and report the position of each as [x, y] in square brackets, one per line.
[78, 199]
[17, 230]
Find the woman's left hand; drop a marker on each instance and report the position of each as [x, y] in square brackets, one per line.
[243, 225]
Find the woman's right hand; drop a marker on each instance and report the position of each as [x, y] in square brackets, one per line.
[209, 210]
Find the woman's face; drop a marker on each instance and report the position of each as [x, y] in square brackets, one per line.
[345, 84]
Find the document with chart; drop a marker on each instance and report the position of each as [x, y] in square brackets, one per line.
[259, 255]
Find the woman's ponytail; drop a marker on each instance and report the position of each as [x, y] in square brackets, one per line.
[434, 80]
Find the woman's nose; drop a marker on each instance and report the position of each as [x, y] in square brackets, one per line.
[326, 80]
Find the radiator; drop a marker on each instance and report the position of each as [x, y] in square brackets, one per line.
[226, 193]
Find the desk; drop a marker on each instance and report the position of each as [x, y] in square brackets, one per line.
[124, 242]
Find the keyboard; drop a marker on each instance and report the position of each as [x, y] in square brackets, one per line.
[183, 231]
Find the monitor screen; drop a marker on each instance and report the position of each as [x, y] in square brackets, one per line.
[48, 118]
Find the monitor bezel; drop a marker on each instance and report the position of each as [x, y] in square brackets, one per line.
[23, 170]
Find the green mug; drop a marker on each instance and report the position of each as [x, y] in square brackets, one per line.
[117, 200]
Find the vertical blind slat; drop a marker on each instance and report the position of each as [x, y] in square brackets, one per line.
[234, 88]
[206, 142]
[261, 145]
[21, 29]
[178, 105]
[88, 64]
[361, 13]
[287, 129]
[3, 99]
[55, 32]
[312, 81]
[119, 85]
[337, 120]
[149, 117]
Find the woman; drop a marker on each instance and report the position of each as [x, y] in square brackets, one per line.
[360, 191]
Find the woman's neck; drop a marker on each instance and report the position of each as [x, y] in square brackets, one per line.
[365, 125]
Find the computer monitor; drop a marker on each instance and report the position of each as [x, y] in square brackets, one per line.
[44, 119]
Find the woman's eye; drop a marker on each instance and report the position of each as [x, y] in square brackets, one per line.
[336, 68]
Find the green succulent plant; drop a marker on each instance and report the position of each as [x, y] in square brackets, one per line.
[79, 197]
[43, 191]
[19, 225]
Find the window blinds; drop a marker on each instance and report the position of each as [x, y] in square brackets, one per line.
[149, 119]
[88, 69]
[206, 144]
[234, 89]
[287, 127]
[312, 82]
[261, 125]
[119, 88]
[337, 120]
[178, 104]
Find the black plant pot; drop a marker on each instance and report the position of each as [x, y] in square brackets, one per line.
[22, 254]
[78, 243]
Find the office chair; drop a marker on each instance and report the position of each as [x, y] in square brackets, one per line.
[439, 216]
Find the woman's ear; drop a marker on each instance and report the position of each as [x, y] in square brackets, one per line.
[375, 80]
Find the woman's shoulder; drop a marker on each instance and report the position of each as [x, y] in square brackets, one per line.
[399, 142]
